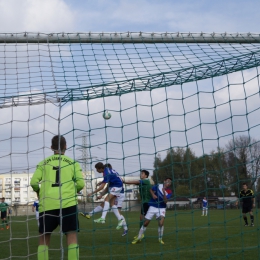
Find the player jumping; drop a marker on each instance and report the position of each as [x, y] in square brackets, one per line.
[115, 186]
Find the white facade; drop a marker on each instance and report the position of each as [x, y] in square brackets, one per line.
[15, 187]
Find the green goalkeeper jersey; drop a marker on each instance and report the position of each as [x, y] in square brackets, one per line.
[3, 206]
[57, 179]
[144, 189]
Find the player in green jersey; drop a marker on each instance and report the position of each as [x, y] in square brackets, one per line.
[144, 190]
[60, 180]
[4, 208]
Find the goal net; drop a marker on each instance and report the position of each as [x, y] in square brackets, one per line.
[183, 106]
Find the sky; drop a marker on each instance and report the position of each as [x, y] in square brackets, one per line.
[122, 16]
[129, 15]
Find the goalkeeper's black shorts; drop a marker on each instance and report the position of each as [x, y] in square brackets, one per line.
[51, 219]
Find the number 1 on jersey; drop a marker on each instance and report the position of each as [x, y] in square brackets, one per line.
[57, 180]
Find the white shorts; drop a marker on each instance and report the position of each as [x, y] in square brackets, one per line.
[119, 200]
[158, 212]
[115, 190]
[205, 208]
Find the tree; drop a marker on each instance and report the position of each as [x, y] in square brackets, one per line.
[179, 165]
[216, 174]
[243, 160]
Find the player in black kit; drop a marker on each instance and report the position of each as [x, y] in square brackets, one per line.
[247, 197]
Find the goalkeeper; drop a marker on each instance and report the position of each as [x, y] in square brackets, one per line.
[61, 179]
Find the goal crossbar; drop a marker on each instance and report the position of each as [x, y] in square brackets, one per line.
[130, 37]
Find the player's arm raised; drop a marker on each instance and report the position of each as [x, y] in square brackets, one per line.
[101, 187]
[137, 182]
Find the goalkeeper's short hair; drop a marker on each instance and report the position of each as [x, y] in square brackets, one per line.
[55, 143]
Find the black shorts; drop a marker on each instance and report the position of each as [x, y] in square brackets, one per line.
[51, 219]
[3, 214]
[246, 209]
[144, 208]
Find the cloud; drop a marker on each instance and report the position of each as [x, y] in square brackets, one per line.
[36, 16]
[123, 15]
[126, 15]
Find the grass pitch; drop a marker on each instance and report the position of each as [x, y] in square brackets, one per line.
[187, 235]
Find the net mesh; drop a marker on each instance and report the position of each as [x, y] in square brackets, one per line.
[189, 111]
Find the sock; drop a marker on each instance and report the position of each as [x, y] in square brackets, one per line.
[116, 212]
[141, 231]
[203, 212]
[141, 222]
[43, 252]
[95, 210]
[105, 210]
[124, 223]
[160, 231]
[245, 219]
[73, 252]
[206, 212]
[252, 219]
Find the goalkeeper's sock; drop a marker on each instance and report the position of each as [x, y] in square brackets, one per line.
[252, 219]
[105, 210]
[73, 252]
[43, 252]
[245, 219]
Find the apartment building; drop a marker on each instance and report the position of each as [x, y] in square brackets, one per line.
[15, 187]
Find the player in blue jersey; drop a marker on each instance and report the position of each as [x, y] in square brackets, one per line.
[118, 202]
[204, 207]
[115, 186]
[157, 206]
[35, 207]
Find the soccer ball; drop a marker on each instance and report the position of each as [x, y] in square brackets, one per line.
[106, 115]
